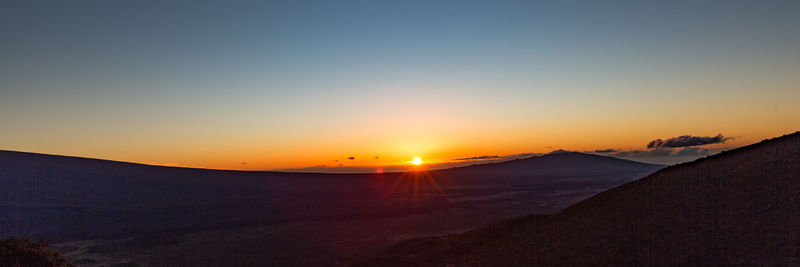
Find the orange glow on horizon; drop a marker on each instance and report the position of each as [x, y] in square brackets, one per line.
[389, 153]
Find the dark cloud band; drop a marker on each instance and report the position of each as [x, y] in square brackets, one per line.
[688, 140]
[480, 157]
[609, 150]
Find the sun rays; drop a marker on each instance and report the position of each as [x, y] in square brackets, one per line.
[415, 182]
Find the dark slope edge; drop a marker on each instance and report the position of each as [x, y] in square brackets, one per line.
[557, 164]
[738, 207]
[565, 163]
[72, 198]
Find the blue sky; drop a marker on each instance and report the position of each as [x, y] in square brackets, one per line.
[145, 80]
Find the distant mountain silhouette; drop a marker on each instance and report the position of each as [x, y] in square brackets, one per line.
[71, 198]
[557, 163]
[740, 207]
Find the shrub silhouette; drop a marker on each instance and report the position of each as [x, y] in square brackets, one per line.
[16, 251]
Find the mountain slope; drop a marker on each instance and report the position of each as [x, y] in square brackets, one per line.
[557, 164]
[148, 214]
[737, 207]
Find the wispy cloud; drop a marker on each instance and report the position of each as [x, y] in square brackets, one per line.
[665, 155]
[457, 162]
[688, 151]
[479, 157]
[669, 151]
[688, 140]
[607, 150]
[498, 157]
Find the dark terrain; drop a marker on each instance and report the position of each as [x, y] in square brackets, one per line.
[740, 207]
[106, 212]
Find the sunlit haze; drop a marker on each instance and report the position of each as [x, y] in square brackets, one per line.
[318, 85]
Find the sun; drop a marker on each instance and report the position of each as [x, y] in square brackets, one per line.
[416, 161]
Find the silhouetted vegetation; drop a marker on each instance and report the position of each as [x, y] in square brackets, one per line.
[16, 251]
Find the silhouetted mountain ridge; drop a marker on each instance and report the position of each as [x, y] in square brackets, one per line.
[561, 163]
[90, 193]
[737, 207]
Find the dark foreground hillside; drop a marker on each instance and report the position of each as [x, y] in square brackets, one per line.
[737, 207]
[102, 212]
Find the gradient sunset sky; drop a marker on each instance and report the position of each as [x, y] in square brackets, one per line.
[273, 85]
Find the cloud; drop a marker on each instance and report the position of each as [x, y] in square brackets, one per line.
[523, 155]
[665, 155]
[480, 157]
[351, 158]
[655, 153]
[496, 157]
[692, 151]
[607, 150]
[560, 151]
[643, 153]
[688, 140]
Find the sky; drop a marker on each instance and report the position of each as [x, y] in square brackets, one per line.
[264, 85]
